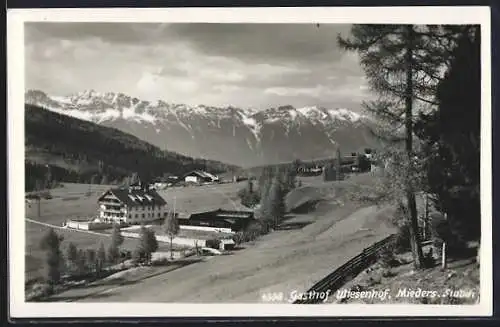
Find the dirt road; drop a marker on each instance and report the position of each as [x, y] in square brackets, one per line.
[282, 261]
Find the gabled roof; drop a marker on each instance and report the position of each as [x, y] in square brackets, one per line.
[136, 197]
[202, 174]
[230, 216]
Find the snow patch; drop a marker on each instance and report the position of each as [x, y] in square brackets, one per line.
[252, 125]
[249, 144]
[306, 111]
[109, 114]
[344, 114]
[75, 113]
[61, 99]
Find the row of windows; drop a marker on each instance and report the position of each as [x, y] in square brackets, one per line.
[113, 215]
[149, 208]
[149, 215]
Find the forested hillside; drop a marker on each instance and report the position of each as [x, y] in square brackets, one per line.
[81, 151]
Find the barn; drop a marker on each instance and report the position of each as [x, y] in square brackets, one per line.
[220, 220]
[199, 176]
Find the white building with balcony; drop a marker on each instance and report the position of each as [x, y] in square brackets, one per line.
[131, 206]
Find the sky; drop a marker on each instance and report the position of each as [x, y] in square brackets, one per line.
[245, 65]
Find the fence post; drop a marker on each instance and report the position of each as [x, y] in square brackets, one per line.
[426, 215]
[443, 256]
[38, 206]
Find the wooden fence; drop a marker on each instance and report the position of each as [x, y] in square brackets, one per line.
[349, 270]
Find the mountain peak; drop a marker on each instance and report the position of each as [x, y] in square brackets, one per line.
[255, 136]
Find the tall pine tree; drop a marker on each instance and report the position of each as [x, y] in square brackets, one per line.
[402, 64]
[452, 139]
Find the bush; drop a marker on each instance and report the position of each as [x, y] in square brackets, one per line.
[213, 243]
[248, 196]
[125, 255]
[253, 230]
[388, 273]
[160, 262]
[429, 260]
[402, 243]
[388, 259]
[40, 290]
[238, 238]
[442, 231]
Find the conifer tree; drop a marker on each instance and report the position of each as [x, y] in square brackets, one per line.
[276, 202]
[51, 244]
[402, 64]
[101, 257]
[72, 257]
[171, 229]
[452, 139]
[116, 241]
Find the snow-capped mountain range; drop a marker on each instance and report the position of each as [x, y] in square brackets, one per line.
[245, 137]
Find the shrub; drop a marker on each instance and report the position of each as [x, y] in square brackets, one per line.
[40, 290]
[429, 260]
[442, 231]
[160, 262]
[248, 196]
[213, 243]
[253, 230]
[388, 273]
[388, 259]
[238, 238]
[402, 242]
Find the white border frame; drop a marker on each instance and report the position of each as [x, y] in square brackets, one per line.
[343, 15]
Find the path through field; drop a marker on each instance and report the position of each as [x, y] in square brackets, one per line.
[282, 261]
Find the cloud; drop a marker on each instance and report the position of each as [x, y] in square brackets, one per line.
[247, 65]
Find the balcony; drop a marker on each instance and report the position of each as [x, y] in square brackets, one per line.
[109, 210]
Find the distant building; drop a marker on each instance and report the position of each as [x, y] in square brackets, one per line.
[131, 206]
[164, 182]
[198, 176]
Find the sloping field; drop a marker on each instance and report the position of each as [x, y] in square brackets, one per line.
[34, 255]
[71, 201]
[282, 261]
[205, 197]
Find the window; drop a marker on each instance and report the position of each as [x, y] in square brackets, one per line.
[136, 215]
[159, 215]
[143, 215]
[130, 216]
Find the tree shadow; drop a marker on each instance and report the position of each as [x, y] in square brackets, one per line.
[293, 225]
[306, 207]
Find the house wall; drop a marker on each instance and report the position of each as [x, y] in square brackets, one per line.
[191, 179]
[112, 211]
[86, 225]
[143, 214]
[192, 242]
[208, 229]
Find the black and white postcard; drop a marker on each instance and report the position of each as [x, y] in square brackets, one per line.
[272, 162]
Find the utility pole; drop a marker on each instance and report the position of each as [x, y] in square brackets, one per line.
[339, 166]
[443, 250]
[48, 177]
[426, 216]
[38, 207]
